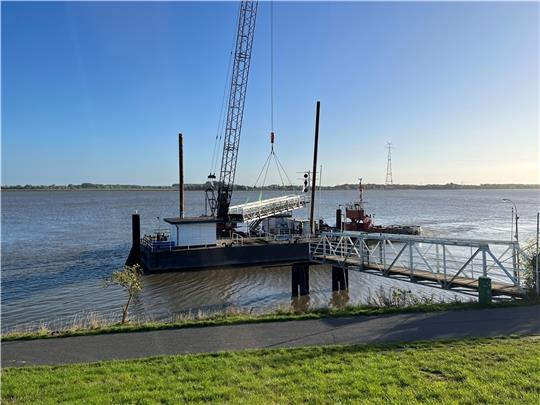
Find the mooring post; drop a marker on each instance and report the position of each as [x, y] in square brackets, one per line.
[335, 278]
[136, 233]
[340, 278]
[135, 252]
[314, 177]
[300, 279]
[181, 175]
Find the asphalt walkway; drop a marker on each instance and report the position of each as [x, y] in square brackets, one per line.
[350, 330]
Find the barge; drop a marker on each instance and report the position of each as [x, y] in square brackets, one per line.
[249, 252]
[267, 233]
[254, 233]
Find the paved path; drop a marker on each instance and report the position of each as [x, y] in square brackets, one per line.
[350, 330]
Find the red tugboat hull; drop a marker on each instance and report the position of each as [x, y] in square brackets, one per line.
[357, 220]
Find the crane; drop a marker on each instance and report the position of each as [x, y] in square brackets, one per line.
[219, 202]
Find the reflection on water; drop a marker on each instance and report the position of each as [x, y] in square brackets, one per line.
[262, 289]
[57, 247]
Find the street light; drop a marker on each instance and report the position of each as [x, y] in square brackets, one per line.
[516, 252]
[517, 216]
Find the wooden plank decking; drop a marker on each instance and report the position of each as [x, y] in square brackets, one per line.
[497, 287]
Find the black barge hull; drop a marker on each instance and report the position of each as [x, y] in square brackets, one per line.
[212, 257]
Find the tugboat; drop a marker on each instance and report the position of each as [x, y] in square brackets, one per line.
[356, 219]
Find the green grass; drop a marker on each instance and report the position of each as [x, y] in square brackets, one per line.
[230, 319]
[466, 371]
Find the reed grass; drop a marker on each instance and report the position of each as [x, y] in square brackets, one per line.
[95, 324]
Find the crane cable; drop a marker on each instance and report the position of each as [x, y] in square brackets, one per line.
[221, 120]
[266, 166]
[278, 163]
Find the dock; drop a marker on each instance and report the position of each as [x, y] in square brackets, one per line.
[497, 287]
[447, 263]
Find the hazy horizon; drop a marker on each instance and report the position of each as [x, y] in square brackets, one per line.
[275, 184]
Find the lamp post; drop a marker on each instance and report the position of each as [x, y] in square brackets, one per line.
[517, 216]
[516, 251]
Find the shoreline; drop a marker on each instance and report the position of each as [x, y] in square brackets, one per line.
[411, 188]
[246, 318]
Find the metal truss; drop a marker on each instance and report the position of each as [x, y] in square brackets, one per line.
[256, 210]
[235, 111]
[450, 262]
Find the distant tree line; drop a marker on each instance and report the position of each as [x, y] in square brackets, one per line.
[447, 186]
[96, 186]
[85, 186]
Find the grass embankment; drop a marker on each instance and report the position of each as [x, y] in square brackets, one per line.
[238, 318]
[467, 371]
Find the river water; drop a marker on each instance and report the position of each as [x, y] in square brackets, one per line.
[58, 247]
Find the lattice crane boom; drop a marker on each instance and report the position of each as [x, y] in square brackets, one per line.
[235, 110]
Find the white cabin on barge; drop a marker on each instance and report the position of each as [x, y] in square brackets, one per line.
[192, 232]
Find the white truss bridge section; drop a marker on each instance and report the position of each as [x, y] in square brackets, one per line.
[257, 210]
[446, 262]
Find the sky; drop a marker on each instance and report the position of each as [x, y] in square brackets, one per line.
[98, 91]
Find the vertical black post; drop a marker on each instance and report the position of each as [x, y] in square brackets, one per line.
[294, 281]
[314, 178]
[181, 174]
[300, 279]
[338, 219]
[135, 252]
[335, 278]
[340, 278]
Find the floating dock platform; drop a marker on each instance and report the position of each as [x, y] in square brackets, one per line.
[230, 252]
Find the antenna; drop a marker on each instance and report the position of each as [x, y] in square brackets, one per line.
[389, 180]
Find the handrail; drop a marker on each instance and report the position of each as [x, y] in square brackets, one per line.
[237, 238]
[452, 257]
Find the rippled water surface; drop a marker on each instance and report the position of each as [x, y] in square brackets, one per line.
[57, 248]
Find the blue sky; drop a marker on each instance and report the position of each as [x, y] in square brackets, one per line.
[98, 91]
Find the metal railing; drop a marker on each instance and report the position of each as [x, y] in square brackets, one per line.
[447, 259]
[237, 239]
[161, 241]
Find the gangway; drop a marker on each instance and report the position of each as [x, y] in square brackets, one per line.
[257, 210]
[448, 263]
